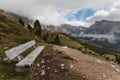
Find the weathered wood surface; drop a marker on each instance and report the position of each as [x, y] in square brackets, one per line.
[14, 52]
[28, 60]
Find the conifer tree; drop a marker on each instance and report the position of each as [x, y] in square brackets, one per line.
[37, 28]
[57, 39]
[30, 28]
[21, 22]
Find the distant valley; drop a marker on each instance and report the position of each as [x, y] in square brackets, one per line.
[104, 33]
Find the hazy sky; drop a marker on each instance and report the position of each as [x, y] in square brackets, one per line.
[55, 12]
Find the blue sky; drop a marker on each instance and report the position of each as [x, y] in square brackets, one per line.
[80, 14]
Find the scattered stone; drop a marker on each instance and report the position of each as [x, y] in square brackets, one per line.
[48, 68]
[56, 71]
[71, 66]
[65, 47]
[117, 70]
[38, 65]
[84, 75]
[104, 76]
[47, 53]
[42, 72]
[98, 61]
[36, 73]
[42, 66]
[113, 66]
[62, 65]
[42, 61]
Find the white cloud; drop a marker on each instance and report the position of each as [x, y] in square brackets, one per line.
[110, 38]
[78, 23]
[112, 14]
[47, 11]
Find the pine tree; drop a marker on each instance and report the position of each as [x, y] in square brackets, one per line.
[21, 22]
[30, 28]
[57, 39]
[37, 28]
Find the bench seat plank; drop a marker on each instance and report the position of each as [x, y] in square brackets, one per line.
[14, 52]
[29, 59]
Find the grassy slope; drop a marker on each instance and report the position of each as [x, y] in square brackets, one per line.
[65, 40]
[13, 34]
[83, 46]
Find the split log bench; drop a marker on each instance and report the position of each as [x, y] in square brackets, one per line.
[14, 53]
[24, 64]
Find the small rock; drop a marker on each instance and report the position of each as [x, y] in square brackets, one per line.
[42, 61]
[48, 67]
[71, 66]
[38, 65]
[117, 70]
[62, 65]
[113, 66]
[98, 61]
[55, 71]
[65, 47]
[36, 73]
[42, 72]
[104, 76]
[42, 66]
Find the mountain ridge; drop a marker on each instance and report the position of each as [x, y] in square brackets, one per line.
[105, 33]
[104, 27]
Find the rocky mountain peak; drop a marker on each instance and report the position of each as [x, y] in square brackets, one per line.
[104, 27]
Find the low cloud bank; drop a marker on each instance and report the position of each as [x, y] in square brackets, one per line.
[101, 37]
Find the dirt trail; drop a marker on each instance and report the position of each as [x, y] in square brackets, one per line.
[91, 67]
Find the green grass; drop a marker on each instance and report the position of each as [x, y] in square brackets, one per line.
[110, 57]
[85, 47]
[64, 40]
[13, 34]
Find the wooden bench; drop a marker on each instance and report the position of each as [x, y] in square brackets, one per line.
[26, 63]
[14, 53]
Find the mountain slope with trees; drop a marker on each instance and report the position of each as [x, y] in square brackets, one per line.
[12, 33]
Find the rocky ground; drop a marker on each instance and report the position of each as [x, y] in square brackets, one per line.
[54, 65]
[91, 67]
[63, 63]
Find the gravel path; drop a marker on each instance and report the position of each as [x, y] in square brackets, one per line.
[91, 67]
